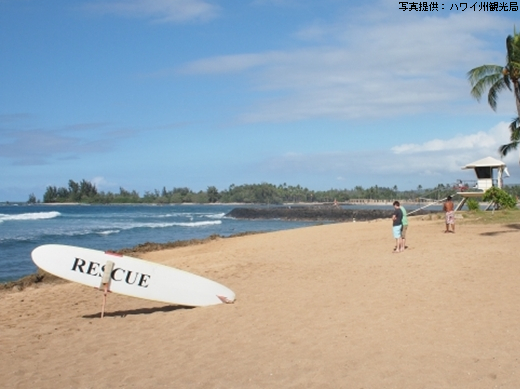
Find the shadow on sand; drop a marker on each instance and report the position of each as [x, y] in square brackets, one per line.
[514, 228]
[150, 310]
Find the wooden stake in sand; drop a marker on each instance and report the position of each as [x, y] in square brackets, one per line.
[105, 283]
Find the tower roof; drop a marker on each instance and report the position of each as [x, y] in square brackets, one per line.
[486, 162]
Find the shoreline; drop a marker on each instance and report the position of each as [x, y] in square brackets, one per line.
[317, 213]
[41, 276]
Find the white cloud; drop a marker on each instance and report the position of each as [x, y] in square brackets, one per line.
[98, 181]
[433, 162]
[38, 146]
[450, 155]
[228, 64]
[397, 66]
[161, 11]
[481, 140]
[103, 184]
[279, 3]
[315, 32]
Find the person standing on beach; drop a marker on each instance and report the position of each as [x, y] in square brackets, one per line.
[397, 221]
[450, 215]
[404, 226]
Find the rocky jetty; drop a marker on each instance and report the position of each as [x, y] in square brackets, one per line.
[312, 213]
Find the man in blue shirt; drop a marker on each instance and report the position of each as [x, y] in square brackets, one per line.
[397, 222]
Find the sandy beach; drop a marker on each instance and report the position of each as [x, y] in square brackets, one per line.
[328, 306]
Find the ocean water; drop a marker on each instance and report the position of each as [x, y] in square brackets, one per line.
[111, 227]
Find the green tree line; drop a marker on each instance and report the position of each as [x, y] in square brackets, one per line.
[86, 192]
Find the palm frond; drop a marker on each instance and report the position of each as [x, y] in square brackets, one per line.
[475, 74]
[517, 98]
[513, 56]
[513, 48]
[514, 129]
[493, 79]
[494, 90]
[503, 150]
[485, 77]
[510, 48]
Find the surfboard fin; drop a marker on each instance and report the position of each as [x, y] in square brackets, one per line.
[224, 299]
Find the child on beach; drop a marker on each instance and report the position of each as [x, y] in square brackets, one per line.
[397, 221]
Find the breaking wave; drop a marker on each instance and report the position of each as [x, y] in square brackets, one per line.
[118, 228]
[29, 216]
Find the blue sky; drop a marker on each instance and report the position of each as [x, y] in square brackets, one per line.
[143, 94]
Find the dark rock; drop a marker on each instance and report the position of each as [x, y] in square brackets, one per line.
[313, 213]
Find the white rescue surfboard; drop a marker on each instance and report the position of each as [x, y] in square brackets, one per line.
[130, 276]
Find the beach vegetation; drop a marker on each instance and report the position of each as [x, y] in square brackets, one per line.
[32, 199]
[500, 198]
[266, 193]
[473, 204]
[508, 217]
[213, 195]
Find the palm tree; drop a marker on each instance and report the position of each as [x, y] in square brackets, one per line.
[496, 78]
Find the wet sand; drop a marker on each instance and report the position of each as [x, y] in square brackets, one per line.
[322, 307]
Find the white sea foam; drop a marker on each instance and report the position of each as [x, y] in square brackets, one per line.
[108, 232]
[196, 224]
[215, 216]
[117, 228]
[193, 215]
[171, 224]
[29, 216]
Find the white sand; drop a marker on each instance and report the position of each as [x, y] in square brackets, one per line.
[328, 306]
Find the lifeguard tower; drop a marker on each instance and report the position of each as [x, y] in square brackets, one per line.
[486, 178]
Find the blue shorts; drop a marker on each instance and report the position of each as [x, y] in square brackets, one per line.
[397, 231]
